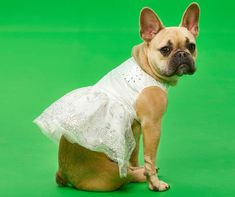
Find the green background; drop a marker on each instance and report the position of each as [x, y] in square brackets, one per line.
[48, 48]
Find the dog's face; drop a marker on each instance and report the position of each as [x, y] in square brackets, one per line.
[171, 51]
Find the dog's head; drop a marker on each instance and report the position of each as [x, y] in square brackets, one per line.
[171, 51]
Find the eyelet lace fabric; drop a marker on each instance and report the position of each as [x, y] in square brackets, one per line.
[99, 117]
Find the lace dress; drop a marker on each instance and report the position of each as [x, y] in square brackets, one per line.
[99, 117]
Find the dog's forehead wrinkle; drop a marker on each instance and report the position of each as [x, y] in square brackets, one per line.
[176, 35]
[169, 43]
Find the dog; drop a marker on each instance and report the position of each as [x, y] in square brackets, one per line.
[166, 54]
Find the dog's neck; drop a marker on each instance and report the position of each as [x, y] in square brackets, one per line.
[139, 53]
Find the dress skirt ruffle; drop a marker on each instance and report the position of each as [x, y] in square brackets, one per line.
[93, 119]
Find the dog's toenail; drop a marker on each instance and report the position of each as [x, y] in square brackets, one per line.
[155, 188]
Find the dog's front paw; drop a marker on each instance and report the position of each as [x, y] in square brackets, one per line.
[157, 185]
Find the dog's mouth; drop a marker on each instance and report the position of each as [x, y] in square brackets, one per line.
[185, 69]
[180, 70]
[181, 63]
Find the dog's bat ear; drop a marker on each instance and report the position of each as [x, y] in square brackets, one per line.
[190, 18]
[150, 24]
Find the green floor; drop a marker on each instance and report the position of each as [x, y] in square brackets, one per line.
[49, 48]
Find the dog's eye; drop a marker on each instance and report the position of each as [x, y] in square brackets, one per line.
[165, 51]
[191, 47]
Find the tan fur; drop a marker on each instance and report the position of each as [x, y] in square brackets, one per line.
[94, 171]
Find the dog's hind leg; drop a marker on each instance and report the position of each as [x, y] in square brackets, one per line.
[136, 174]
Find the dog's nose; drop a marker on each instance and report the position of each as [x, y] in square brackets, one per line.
[181, 54]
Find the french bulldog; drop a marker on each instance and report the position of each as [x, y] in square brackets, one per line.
[166, 54]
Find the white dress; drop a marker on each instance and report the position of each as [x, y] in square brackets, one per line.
[99, 117]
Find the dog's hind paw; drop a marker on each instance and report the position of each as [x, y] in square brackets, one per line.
[60, 180]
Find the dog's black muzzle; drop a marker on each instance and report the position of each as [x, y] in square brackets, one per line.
[182, 63]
